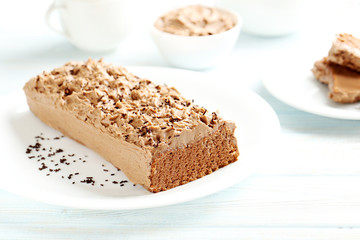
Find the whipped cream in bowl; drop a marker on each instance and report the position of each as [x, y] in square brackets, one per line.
[196, 37]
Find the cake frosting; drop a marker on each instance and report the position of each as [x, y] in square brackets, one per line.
[345, 51]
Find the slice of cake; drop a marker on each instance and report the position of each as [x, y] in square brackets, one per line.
[344, 83]
[153, 134]
[345, 51]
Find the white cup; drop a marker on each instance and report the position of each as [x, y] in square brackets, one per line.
[267, 17]
[92, 25]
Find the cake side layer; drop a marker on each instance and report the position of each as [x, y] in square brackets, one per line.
[180, 166]
[343, 83]
[345, 51]
[131, 159]
[321, 71]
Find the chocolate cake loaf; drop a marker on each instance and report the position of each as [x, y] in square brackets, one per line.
[153, 134]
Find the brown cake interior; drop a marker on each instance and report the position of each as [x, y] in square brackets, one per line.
[177, 167]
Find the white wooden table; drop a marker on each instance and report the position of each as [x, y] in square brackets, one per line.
[309, 188]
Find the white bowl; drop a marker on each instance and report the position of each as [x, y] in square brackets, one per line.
[196, 52]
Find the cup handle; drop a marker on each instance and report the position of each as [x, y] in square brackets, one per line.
[48, 15]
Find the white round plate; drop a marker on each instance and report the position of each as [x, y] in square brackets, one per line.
[299, 88]
[87, 181]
